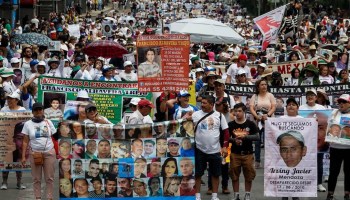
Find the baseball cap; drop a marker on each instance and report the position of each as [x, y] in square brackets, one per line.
[135, 101]
[37, 105]
[14, 60]
[144, 103]
[262, 65]
[243, 57]
[90, 107]
[79, 142]
[15, 95]
[77, 59]
[139, 180]
[344, 97]
[83, 94]
[290, 100]
[173, 141]
[42, 63]
[7, 72]
[127, 63]
[222, 81]
[1, 58]
[312, 90]
[241, 71]
[183, 93]
[295, 134]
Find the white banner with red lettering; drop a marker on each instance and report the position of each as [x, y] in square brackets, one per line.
[269, 24]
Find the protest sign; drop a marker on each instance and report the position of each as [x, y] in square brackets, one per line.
[74, 30]
[322, 117]
[288, 91]
[163, 62]
[55, 46]
[290, 157]
[11, 126]
[126, 160]
[339, 133]
[111, 98]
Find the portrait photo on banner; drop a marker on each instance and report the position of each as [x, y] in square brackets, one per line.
[290, 157]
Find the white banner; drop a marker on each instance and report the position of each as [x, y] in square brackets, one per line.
[290, 157]
[339, 133]
[269, 24]
[74, 30]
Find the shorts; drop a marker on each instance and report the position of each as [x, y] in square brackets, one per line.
[201, 160]
[245, 162]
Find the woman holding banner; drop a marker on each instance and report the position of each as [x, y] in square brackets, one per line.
[262, 105]
[339, 152]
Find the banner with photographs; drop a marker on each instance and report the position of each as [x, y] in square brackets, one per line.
[111, 98]
[163, 62]
[290, 157]
[122, 160]
[11, 124]
[322, 117]
[339, 133]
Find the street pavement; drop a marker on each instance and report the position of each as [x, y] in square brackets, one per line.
[257, 192]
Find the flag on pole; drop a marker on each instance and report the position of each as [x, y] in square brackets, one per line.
[269, 24]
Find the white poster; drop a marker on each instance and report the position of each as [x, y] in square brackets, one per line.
[290, 157]
[74, 30]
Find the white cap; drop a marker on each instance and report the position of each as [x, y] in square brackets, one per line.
[241, 71]
[14, 60]
[126, 63]
[42, 63]
[15, 95]
[230, 50]
[135, 101]
[312, 90]
[262, 65]
[83, 94]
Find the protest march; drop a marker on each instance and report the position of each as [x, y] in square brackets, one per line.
[181, 99]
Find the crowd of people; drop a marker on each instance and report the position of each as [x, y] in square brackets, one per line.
[308, 32]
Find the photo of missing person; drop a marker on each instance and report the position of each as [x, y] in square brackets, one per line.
[63, 130]
[66, 188]
[104, 149]
[149, 148]
[345, 132]
[91, 131]
[64, 148]
[118, 131]
[171, 186]
[159, 130]
[169, 167]
[140, 165]
[292, 147]
[54, 104]
[154, 167]
[155, 186]
[120, 149]
[140, 187]
[78, 149]
[104, 131]
[149, 60]
[334, 130]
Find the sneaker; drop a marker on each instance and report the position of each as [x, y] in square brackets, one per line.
[209, 192]
[257, 165]
[202, 182]
[21, 186]
[4, 186]
[320, 188]
[330, 197]
[247, 196]
[236, 197]
[215, 198]
[326, 179]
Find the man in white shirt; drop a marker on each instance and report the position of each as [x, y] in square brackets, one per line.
[141, 115]
[233, 69]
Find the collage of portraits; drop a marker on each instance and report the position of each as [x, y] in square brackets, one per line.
[106, 160]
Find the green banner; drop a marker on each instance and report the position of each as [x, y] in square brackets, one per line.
[111, 98]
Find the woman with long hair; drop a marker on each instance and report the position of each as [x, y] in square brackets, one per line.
[294, 79]
[343, 76]
[262, 105]
[169, 168]
[65, 168]
[154, 187]
[78, 132]
[171, 186]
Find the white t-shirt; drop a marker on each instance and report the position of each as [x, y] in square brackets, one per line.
[137, 118]
[128, 77]
[208, 134]
[315, 107]
[39, 134]
[326, 79]
[233, 69]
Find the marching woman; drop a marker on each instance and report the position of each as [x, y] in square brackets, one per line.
[38, 132]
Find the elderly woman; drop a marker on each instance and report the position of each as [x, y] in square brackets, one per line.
[38, 132]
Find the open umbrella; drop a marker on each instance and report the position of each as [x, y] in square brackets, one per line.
[204, 30]
[32, 38]
[105, 49]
